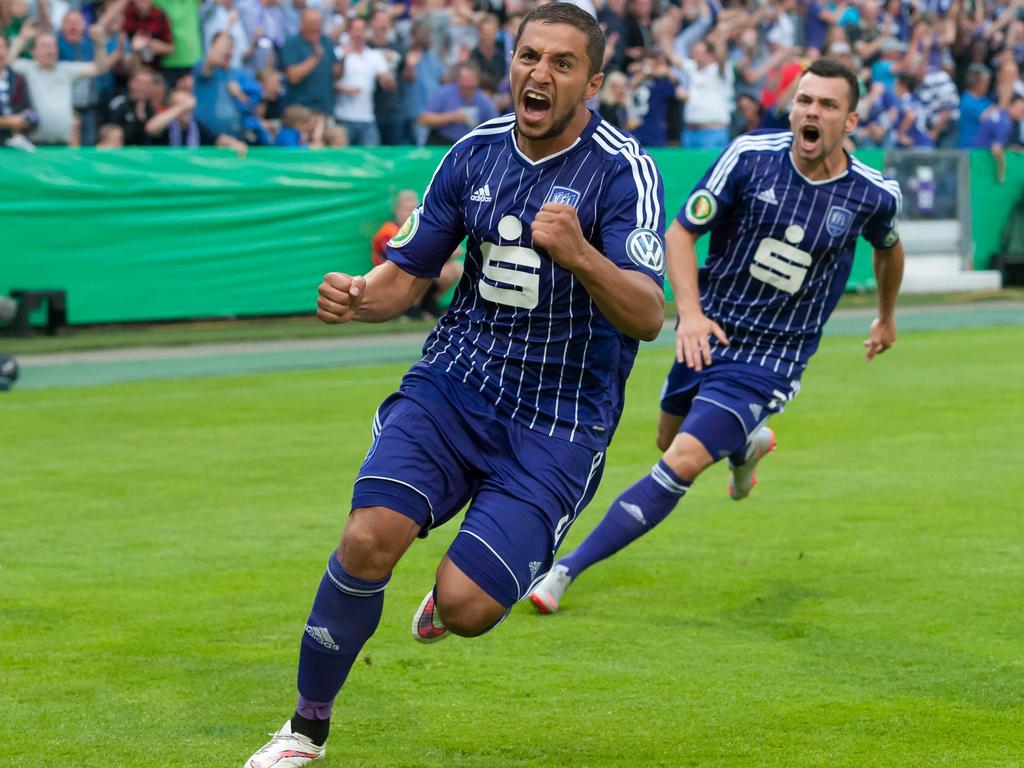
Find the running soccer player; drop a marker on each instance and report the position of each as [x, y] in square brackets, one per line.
[784, 210]
[520, 386]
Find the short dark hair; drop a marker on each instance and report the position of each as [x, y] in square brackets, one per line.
[833, 68]
[564, 13]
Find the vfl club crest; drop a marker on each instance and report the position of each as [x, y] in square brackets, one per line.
[701, 207]
[563, 196]
[645, 249]
[837, 221]
[407, 231]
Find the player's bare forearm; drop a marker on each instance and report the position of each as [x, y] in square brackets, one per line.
[694, 330]
[888, 263]
[888, 266]
[681, 263]
[389, 291]
[633, 302]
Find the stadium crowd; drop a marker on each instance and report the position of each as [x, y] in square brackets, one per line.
[237, 73]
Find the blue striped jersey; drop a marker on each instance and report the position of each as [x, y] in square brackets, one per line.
[521, 329]
[781, 246]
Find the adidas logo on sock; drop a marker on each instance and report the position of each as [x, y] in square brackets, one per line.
[768, 196]
[482, 195]
[322, 636]
[634, 511]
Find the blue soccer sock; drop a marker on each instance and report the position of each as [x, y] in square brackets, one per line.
[345, 613]
[636, 511]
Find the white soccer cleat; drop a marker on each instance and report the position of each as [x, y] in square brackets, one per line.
[743, 477]
[286, 750]
[426, 624]
[548, 594]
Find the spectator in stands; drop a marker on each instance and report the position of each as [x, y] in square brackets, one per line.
[386, 111]
[489, 57]
[974, 102]
[149, 35]
[110, 136]
[310, 66]
[911, 119]
[222, 16]
[880, 110]
[183, 17]
[708, 79]
[420, 74]
[221, 103]
[654, 89]
[363, 69]
[133, 109]
[997, 130]
[265, 27]
[405, 202]
[615, 105]
[17, 118]
[335, 136]
[455, 109]
[749, 115]
[177, 126]
[301, 127]
[612, 17]
[272, 84]
[88, 94]
[639, 30]
[940, 101]
[50, 81]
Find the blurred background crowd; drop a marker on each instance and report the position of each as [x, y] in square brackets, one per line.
[316, 73]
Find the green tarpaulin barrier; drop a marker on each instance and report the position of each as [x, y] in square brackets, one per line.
[157, 234]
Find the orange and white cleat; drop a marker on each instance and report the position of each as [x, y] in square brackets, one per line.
[426, 624]
[286, 750]
[743, 477]
[548, 594]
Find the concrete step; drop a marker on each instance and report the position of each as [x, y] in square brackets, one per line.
[945, 282]
[943, 236]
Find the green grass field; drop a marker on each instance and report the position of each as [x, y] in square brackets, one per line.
[160, 543]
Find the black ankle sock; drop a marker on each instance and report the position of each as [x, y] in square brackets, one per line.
[315, 730]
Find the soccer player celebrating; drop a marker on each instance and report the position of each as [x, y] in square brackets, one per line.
[784, 210]
[520, 385]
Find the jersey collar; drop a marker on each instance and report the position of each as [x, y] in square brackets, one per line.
[843, 175]
[580, 141]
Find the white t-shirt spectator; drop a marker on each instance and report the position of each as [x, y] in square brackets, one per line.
[51, 92]
[710, 92]
[361, 71]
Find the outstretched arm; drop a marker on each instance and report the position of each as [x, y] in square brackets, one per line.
[383, 294]
[694, 328]
[888, 263]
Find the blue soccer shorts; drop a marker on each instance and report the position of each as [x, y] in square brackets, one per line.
[724, 403]
[438, 446]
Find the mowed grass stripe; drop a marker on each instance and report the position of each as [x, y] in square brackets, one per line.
[161, 542]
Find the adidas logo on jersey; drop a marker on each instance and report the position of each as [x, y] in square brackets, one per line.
[322, 636]
[482, 195]
[768, 196]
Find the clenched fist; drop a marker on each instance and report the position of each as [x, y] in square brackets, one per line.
[556, 229]
[339, 297]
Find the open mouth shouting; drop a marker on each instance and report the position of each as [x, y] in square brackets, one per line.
[536, 106]
[809, 138]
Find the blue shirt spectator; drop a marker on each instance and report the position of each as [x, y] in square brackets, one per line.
[219, 96]
[419, 76]
[308, 61]
[973, 103]
[456, 109]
